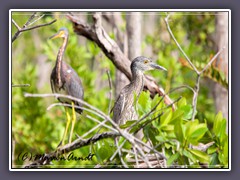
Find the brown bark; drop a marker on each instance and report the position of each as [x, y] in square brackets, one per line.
[117, 22]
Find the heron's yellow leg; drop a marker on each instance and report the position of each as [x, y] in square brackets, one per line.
[73, 122]
[67, 125]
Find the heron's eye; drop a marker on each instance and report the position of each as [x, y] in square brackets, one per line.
[146, 61]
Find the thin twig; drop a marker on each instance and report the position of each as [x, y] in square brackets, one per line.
[213, 59]
[36, 19]
[16, 25]
[170, 31]
[135, 155]
[20, 85]
[88, 116]
[30, 19]
[38, 26]
[120, 154]
[28, 23]
[195, 96]
[95, 120]
[116, 152]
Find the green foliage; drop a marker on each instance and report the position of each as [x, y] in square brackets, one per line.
[174, 132]
[219, 151]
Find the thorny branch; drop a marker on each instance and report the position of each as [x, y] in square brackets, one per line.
[28, 23]
[199, 73]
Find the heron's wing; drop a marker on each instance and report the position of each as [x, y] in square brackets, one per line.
[52, 86]
[74, 87]
[119, 106]
[51, 81]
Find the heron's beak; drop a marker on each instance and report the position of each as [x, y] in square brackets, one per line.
[55, 36]
[156, 66]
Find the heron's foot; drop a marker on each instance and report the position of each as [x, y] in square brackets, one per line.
[59, 151]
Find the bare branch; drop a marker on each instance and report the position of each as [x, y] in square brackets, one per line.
[38, 26]
[16, 25]
[211, 61]
[120, 154]
[36, 19]
[20, 85]
[28, 23]
[170, 31]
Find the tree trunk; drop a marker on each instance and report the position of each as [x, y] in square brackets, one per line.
[220, 94]
[134, 34]
[149, 28]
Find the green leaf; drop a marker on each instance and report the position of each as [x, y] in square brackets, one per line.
[167, 145]
[178, 130]
[201, 156]
[104, 150]
[172, 158]
[151, 133]
[213, 160]
[166, 117]
[182, 102]
[189, 127]
[161, 139]
[188, 110]
[195, 131]
[217, 124]
[189, 155]
[212, 149]
[143, 103]
[128, 124]
[168, 128]
[177, 115]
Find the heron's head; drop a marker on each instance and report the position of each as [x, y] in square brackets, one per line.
[144, 64]
[62, 33]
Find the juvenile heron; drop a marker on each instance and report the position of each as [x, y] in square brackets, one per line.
[64, 80]
[123, 109]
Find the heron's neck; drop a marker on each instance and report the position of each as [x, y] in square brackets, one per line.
[137, 81]
[59, 59]
[61, 51]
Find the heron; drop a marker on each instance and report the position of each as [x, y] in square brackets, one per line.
[64, 80]
[123, 108]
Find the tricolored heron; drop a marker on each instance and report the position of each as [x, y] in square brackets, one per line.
[123, 109]
[65, 80]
